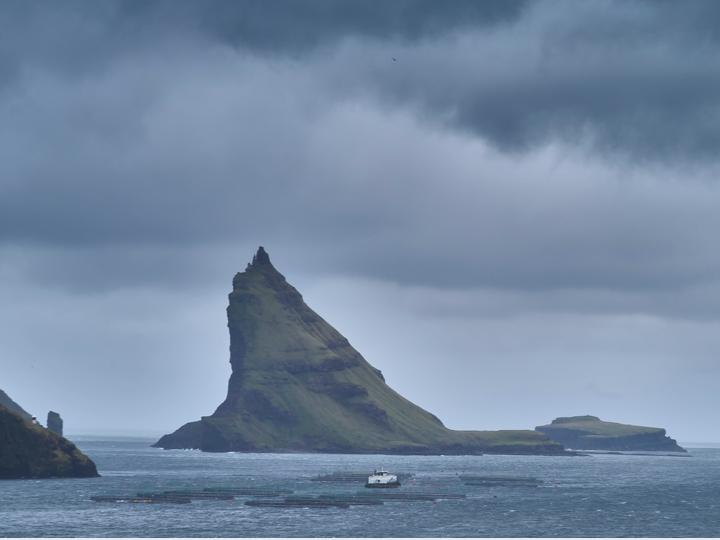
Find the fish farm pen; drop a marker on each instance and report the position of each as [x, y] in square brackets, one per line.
[318, 493]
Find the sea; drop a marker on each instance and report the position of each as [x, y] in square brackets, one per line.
[603, 495]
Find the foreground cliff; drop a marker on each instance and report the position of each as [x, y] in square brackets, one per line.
[28, 450]
[297, 385]
[591, 433]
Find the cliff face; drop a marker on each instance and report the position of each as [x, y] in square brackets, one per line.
[591, 433]
[28, 450]
[298, 385]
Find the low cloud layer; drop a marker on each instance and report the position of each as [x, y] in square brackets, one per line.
[539, 173]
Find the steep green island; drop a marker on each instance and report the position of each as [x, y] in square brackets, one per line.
[297, 385]
[591, 433]
[28, 450]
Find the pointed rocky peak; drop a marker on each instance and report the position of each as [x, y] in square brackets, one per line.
[260, 261]
[261, 257]
[261, 266]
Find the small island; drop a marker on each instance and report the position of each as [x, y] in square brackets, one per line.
[590, 433]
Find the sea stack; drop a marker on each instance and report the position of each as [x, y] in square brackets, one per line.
[590, 433]
[298, 385]
[55, 423]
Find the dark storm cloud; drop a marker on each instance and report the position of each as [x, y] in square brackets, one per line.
[79, 35]
[151, 127]
[290, 27]
[633, 79]
[630, 79]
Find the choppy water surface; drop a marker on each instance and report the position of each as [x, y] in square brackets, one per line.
[601, 495]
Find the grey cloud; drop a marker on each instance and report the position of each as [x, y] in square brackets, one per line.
[635, 80]
[80, 37]
[290, 27]
[530, 188]
[155, 161]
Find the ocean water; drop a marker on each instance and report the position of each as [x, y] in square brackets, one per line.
[599, 495]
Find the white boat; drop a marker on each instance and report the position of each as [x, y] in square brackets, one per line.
[382, 479]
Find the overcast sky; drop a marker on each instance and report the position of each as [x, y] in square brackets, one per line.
[511, 208]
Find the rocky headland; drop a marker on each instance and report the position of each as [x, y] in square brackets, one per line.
[591, 433]
[28, 450]
[297, 385]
